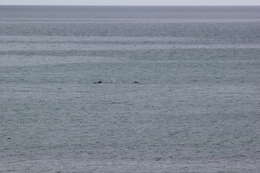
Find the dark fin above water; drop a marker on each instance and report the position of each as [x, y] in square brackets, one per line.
[98, 82]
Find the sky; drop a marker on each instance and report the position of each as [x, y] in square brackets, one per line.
[129, 2]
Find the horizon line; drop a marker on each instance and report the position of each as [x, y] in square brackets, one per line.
[141, 5]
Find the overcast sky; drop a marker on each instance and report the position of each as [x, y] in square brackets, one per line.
[130, 2]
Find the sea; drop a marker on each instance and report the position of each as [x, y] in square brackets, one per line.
[129, 89]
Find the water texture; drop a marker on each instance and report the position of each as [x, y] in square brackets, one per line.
[129, 89]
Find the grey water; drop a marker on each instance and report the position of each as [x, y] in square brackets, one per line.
[129, 89]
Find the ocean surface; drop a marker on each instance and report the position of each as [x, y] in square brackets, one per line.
[129, 89]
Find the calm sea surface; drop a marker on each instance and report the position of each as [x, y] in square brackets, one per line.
[179, 89]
